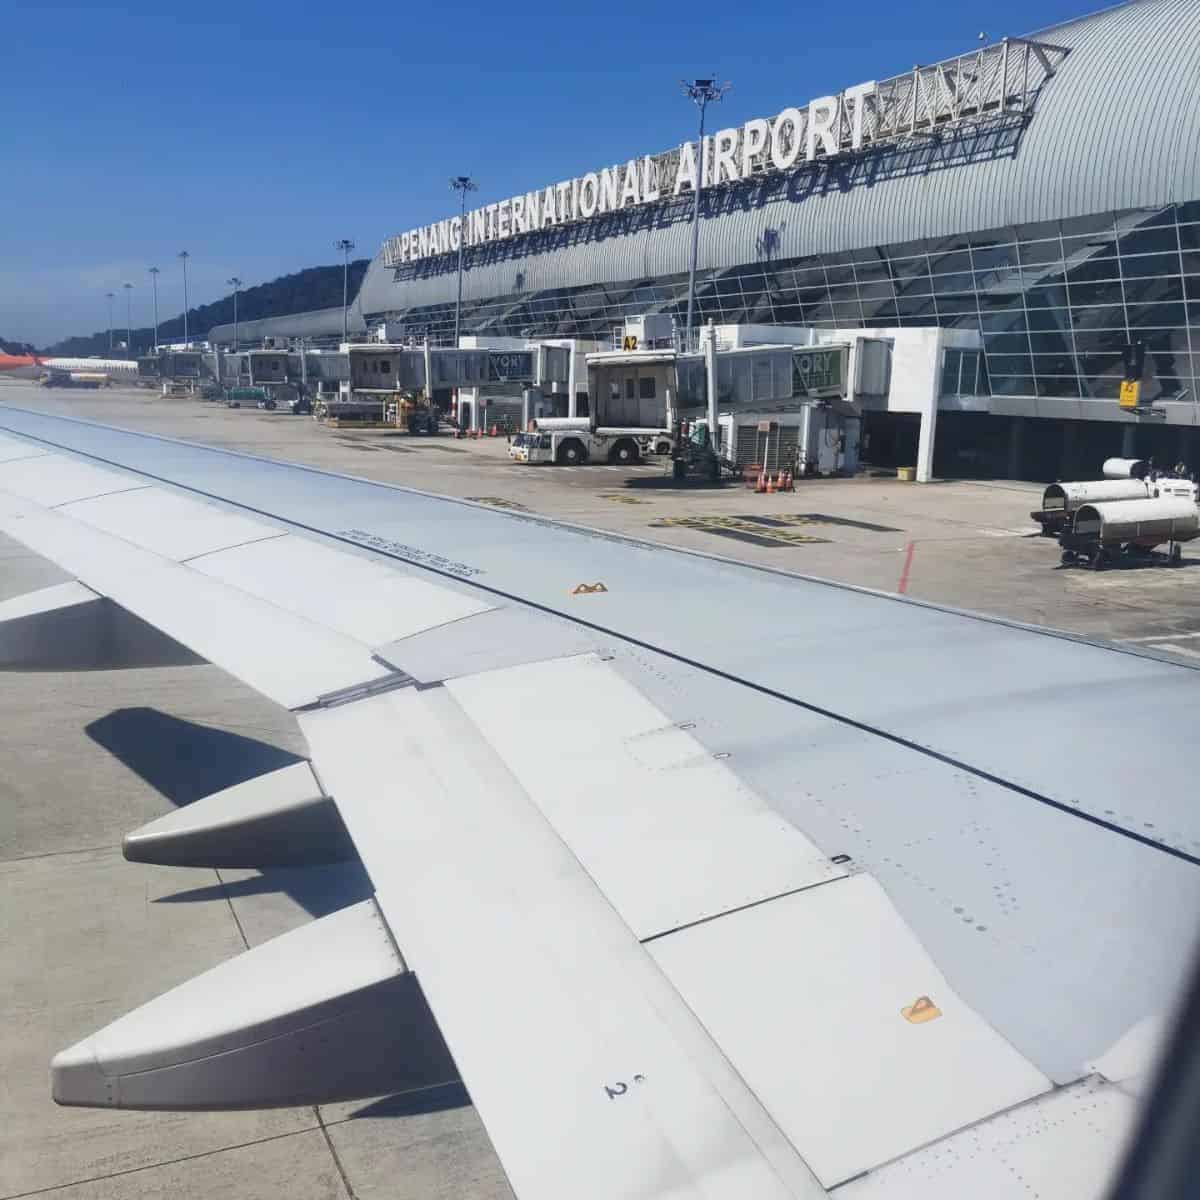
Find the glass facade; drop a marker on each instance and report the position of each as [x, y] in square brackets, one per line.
[1055, 302]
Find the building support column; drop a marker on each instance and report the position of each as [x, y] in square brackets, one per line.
[1127, 435]
[926, 439]
[1016, 447]
[572, 372]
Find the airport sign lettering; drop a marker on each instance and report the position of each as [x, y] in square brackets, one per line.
[825, 128]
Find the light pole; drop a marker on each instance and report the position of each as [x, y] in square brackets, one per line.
[183, 257]
[128, 322]
[235, 283]
[154, 277]
[110, 300]
[345, 245]
[461, 184]
[702, 92]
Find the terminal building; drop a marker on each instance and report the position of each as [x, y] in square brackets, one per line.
[1036, 198]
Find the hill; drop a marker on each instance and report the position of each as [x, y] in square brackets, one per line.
[312, 288]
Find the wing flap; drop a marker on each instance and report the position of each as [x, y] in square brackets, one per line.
[667, 831]
[844, 1026]
[592, 1078]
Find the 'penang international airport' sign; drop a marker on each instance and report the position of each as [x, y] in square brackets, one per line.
[997, 81]
[828, 126]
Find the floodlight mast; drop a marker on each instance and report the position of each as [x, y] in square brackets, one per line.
[702, 92]
[461, 184]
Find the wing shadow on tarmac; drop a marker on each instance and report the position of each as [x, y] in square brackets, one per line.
[185, 762]
[397, 1056]
[180, 759]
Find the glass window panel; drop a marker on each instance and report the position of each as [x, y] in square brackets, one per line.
[1098, 341]
[1189, 235]
[1157, 315]
[989, 237]
[881, 314]
[871, 271]
[995, 260]
[1006, 343]
[1011, 385]
[1094, 269]
[1111, 316]
[908, 268]
[1008, 364]
[839, 275]
[1085, 294]
[1036, 253]
[959, 281]
[956, 305]
[808, 279]
[903, 250]
[947, 264]
[1164, 289]
[1011, 320]
[876, 291]
[1037, 231]
[1147, 241]
[1058, 385]
[914, 306]
[1087, 226]
[1047, 297]
[1142, 265]
[1048, 341]
[1060, 363]
[951, 365]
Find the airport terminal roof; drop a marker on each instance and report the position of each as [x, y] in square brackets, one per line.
[1113, 129]
[322, 323]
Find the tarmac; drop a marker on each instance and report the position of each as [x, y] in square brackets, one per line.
[85, 936]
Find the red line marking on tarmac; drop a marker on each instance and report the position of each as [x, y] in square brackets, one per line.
[902, 586]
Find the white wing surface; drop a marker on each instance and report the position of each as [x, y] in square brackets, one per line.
[689, 927]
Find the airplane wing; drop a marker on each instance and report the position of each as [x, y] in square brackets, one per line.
[719, 882]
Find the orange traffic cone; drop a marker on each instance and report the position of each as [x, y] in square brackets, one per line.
[761, 486]
[770, 485]
[493, 432]
[788, 485]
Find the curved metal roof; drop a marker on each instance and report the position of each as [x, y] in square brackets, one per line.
[321, 322]
[1113, 129]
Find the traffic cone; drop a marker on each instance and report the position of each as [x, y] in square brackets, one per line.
[493, 432]
[788, 485]
[770, 485]
[761, 485]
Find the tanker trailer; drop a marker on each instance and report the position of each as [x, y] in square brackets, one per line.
[1060, 500]
[1125, 468]
[1099, 532]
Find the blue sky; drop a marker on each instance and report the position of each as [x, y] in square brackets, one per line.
[255, 134]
